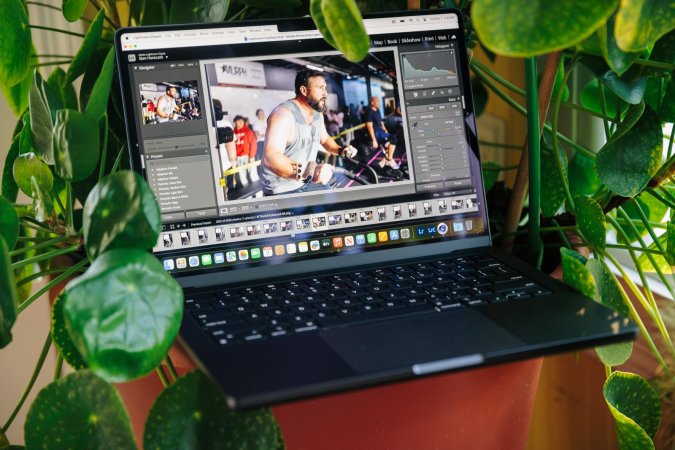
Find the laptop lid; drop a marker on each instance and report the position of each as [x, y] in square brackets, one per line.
[198, 101]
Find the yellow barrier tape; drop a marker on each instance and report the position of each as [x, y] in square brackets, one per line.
[240, 168]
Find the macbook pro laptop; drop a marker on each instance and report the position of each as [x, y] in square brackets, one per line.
[326, 218]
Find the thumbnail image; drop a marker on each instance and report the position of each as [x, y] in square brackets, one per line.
[442, 206]
[236, 232]
[253, 230]
[335, 219]
[427, 208]
[318, 222]
[220, 236]
[168, 240]
[397, 211]
[270, 228]
[170, 101]
[457, 204]
[366, 215]
[350, 217]
[185, 237]
[286, 225]
[381, 214]
[412, 210]
[470, 203]
[302, 224]
[203, 236]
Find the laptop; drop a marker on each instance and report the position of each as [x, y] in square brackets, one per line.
[326, 218]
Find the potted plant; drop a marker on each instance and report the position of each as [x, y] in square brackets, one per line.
[68, 150]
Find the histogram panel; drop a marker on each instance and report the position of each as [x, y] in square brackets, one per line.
[429, 69]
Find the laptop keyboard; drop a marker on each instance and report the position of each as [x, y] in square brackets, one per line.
[270, 310]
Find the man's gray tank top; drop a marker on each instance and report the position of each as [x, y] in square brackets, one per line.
[304, 147]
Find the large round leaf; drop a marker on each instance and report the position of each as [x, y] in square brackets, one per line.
[591, 221]
[9, 223]
[627, 164]
[16, 44]
[65, 90]
[76, 144]
[526, 28]
[582, 176]
[192, 413]
[635, 407]
[89, 45]
[198, 11]
[17, 95]
[552, 190]
[630, 86]
[123, 314]
[61, 338]
[343, 19]
[79, 411]
[8, 187]
[120, 212]
[29, 166]
[639, 23]
[8, 295]
[575, 273]
[616, 58]
[73, 9]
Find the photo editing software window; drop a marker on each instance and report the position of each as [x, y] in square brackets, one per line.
[266, 145]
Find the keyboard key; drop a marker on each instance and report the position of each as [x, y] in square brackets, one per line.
[377, 315]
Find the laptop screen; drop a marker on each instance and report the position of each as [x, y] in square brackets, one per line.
[265, 145]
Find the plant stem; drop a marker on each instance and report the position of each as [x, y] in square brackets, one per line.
[645, 222]
[104, 149]
[70, 207]
[55, 282]
[651, 223]
[504, 82]
[659, 64]
[604, 110]
[670, 142]
[59, 366]
[37, 223]
[57, 30]
[37, 228]
[60, 204]
[658, 196]
[554, 140]
[40, 274]
[31, 382]
[500, 169]
[239, 14]
[586, 110]
[562, 233]
[172, 368]
[39, 246]
[162, 376]
[53, 56]
[637, 249]
[534, 163]
[497, 144]
[118, 160]
[52, 63]
[42, 257]
[635, 316]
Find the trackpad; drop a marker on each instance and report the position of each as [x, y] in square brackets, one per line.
[402, 343]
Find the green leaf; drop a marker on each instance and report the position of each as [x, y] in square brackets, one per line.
[629, 87]
[89, 45]
[632, 117]
[590, 98]
[639, 23]
[8, 296]
[534, 28]
[651, 207]
[636, 408]
[192, 413]
[198, 11]
[17, 95]
[16, 43]
[120, 212]
[664, 49]
[26, 143]
[552, 190]
[9, 223]
[582, 177]
[98, 101]
[659, 259]
[155, 12]
[91, 75]
[345, 24]
[62, 339]
[575, 273]
[490, 174]
[670, 242]
[76, 144]
[615, 354]
[78, 411]
[617, 59]
[627, 164]
[28, 166]
[73, 9]
[64, 90]
[40, 120]
[320, 22]
[128, 330]
[591, 221]
[9, 188]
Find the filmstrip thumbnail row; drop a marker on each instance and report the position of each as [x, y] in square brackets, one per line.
[314, 222]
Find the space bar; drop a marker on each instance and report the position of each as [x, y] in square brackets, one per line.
[330, 322]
